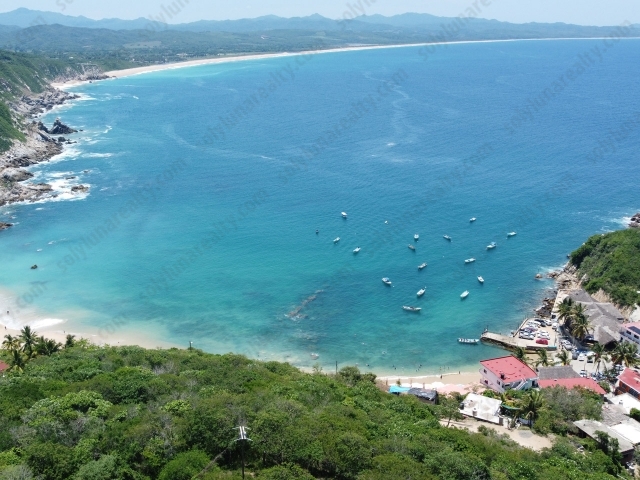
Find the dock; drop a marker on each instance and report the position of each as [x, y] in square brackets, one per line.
[511, 343]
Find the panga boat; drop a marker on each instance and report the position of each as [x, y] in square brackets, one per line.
[492, 245]
[411, 309]
[420, 267]
[447, 237]
[386, 281]
[470, 341]
[511, 234]
[481, 280]
[416, 237]
[344, 214]
[421, 291]
[470, 260]
[357, 249]
[412, 248]
[465, 294]
[336, 240]
[473, 219]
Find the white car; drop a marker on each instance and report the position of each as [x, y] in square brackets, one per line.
[582, 357]
[554, 325]
[543, 334]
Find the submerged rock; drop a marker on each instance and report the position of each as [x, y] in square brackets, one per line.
[4, 226]
[79, 188]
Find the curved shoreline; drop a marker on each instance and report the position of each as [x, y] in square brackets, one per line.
[240, 58]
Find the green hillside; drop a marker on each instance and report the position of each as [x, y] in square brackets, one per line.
[127, 413]
[612, 263]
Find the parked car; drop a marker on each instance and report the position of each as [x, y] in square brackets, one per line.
[542, 341]
[554, 325]
[574, 354]
[583, 374]
[582, 357]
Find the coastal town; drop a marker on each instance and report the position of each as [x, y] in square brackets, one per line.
[575, 341]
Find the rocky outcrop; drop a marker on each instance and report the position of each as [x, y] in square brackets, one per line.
[4, 226]
[15, 175]
[60, 128]
[30, 106]
[635, 221]
[80, 189]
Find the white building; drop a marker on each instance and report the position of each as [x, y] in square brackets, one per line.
[507, 373]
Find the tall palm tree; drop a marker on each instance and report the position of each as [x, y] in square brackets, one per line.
[581, 326]
[531, 405]
[29, 339]
[599, 355]
[47, 347]
[11, 343]
[564, 358]
[70, 342]
[625, 353]
[17, 362]
[565, 311]
[521, 354]
[543, 359]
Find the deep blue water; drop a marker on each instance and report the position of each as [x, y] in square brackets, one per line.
[192, 237]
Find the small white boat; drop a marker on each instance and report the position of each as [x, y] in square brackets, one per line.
[416, 237]
[447, 237]
[336, 240]
[511, 234]
[472, 219]
[386, 281]
[344, 214]
[470, 260]
[469, 341]
[411, 247]
[421, 291]
[357, 250]
[492, 245]
[315, 356]
[481, 280]
[465, 294]
[411, 309]
[420, 267]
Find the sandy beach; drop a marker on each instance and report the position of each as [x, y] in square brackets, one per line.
[241, 58]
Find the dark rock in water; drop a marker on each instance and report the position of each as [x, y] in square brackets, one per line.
[86, 171]
[42, 126]
[61, 139]
[80, 188]
[33, 267]
[4, 226]
[635, 221]
[60, 128]
[70, 178]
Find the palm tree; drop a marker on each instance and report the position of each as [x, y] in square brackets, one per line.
[11, 343]
[625, 353]
[70, 342]
[599, 354]
[29, 339]
[581, 325]
[17, 362]
[531, 405]
[521, 354]
[47, 347]
[564, 358]
[565, 310]
[543, 359]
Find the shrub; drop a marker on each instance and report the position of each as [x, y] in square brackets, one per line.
[184, 466]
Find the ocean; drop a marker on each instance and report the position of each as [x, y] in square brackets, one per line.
[208, 184]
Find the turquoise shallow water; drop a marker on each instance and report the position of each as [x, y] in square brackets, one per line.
[189, 235]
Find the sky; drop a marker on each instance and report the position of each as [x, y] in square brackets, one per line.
[581, 12]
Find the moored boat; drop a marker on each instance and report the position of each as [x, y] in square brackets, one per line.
[336, 240]
[386, 281]
[421, 291]
[357, 250]
[472, 219]
[411, 247]
[469, 341]
[416, 237]
[481, 280]
[446, 237]
[470, 260]
[420, 267]
[344, 214]
[465, 294]
[492, 245]
[511, 234]
[411, 309]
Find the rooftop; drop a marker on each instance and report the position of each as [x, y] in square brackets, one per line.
[509, 369]
[485, 408]
[553, 373]
[569, 383]
[3, 367]
[625, 402]
[631, 378]
[605, 318]
[590, 427]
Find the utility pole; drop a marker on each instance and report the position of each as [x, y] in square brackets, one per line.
[336, 367]
[242, 438]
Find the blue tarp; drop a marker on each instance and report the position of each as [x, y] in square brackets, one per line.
[397, 389]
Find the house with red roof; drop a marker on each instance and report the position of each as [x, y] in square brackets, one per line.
[629, 382]
[570, 383]
[507, 373]
[3, 367]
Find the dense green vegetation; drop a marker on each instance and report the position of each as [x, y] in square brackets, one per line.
[8, 131]
[612, 264]
[85, 412]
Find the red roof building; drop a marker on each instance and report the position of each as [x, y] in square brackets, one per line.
[629, 382]
[569, 383]
[3, 367]
[507, 373]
